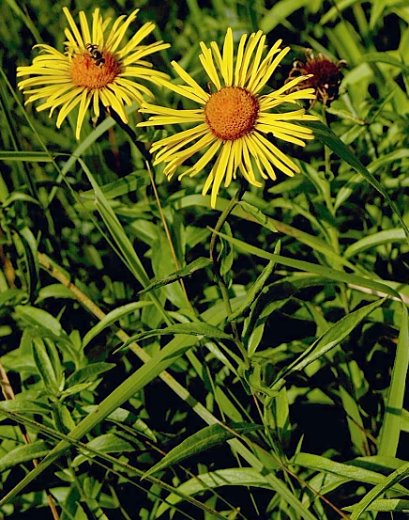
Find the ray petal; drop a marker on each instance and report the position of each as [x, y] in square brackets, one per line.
[187, 78]
[206, 59]
[166, 152]
[180, 136]
[218, 60]
[53, 102]
[140, 35]
[121, 32]
[96, 24]
[251, 44]
[95, 104]
[74, 27]
[275, 155]
[109, 99]
[266, 76]
[180, 156]
[85, 27]
[228, 57]
[247, 163]
[66, 109]
[219, 173]
[206, 157]
[144, 51]
[256, 76]
[230, 163]
[239, 58]
[256, 62]
[84, 104]
[113, 32]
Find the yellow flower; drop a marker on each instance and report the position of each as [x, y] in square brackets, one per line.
[97, 67]
[232, 121]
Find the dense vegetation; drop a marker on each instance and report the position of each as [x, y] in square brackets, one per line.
[163, 359]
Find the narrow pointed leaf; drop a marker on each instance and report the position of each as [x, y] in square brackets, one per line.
[111, 318]
[200, 441]
[196, 328]
[22, 454]
[390, 433]
[324, 134]
[235, 477]
[330, 339]
[326, 273]
[196, 265]
[389, 481]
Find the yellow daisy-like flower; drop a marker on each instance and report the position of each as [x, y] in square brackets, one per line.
[232, 122]
[97, 67]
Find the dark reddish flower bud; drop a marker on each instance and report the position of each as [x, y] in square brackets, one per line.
[326, 77]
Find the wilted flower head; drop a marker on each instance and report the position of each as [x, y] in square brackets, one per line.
[98, 67]
[231, 123]
[326, 75]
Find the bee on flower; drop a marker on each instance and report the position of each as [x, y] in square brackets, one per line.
[237, 125]
[99, 67]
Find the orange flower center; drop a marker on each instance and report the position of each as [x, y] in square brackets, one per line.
[231, 113]
[93, 73]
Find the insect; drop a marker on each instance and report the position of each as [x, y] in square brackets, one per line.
[95, 53]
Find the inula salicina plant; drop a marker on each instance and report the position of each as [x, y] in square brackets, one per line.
[204, 260]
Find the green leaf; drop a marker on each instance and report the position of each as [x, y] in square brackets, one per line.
[386, 505]
[330, 339]
[375, 240]
[254, 290]
[352, 471]
[391, 428]
[324, 134]
[123, 186]
[88, 373]
[384, 57]
[107, 443]
[124, 391]
[12, 297]
[48, 365]
[336, 11]
[315, 243]
[280, 12]
[40, 320]
[201, 441]
[124, 246]
[22, 454]
[54, 290]
[325, 272]
[26, 156]
[354, 419]
[21, 13]
[17, 196]
[26, 245]
[152, 368]
[196, 328]
[223, 477]
[111, 318]
[196, 265]
[24, 406]
[387, 483]
[387, 159]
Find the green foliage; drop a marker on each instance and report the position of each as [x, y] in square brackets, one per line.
[160, 359]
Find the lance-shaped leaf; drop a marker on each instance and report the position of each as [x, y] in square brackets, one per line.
[196, 265]
[331, 338]
[200, 441]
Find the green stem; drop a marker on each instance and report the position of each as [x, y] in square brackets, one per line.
[216, 268]
[332, 232]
